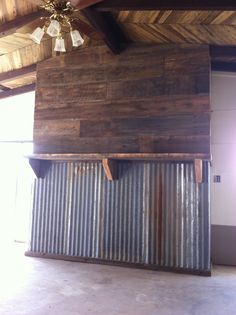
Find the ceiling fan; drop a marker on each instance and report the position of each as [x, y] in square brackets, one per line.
[61, 16]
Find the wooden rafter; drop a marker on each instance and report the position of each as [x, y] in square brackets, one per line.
[132, 5]
[17, 74]
[109, 29]
[4, 88]
[17, 91]
[82, 4]
[103, 25]
[10, 27]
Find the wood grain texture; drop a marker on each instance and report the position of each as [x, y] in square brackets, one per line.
[216, 27]
[198, 170]
[120, 156]
[150, 99]
[173, 26]
[110, 168]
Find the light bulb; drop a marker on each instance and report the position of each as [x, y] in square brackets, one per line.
[37, 35]
[53, 28]
[77, 39]
[60, 45]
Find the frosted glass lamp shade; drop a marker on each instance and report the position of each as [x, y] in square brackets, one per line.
[56, 25]
[77, 39]
[53, 28]
[37, 35]
[60, 45]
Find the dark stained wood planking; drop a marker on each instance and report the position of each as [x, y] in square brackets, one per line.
[149, 99]
[174, 144]
[61, 127]
[156, 107]
[93, 57]
[143, 143]
[156, 86]
[69, 144]
[109, 29]
[162, 126]
[81, 92]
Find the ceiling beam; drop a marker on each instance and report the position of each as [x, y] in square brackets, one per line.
[17, 74]
[4, 88]
[82, 4]
[10, 27]
[222, 51]
[86, 29]
[219, 56]
[133, 5]
[223, 66]
[109, 29]
[17, 91]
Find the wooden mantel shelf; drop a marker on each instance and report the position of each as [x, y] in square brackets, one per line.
[120, 156]
[40, 163]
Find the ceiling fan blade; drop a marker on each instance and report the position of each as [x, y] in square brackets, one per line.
[82, 4]
[86, 29]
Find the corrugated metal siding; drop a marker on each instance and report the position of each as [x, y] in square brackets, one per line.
[154, 214]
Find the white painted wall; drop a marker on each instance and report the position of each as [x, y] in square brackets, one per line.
[223, 148]
[16, 127]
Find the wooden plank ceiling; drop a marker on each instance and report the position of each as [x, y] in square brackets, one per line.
[194, 27]
[140, 24]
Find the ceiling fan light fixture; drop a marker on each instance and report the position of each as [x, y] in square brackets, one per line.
[59, 21]
[77, 39]
[60, 45]
[37, 35]
[53, 28]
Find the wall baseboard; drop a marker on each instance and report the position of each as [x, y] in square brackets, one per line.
[223, 240]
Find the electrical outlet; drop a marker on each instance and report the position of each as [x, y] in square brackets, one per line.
[217, 179]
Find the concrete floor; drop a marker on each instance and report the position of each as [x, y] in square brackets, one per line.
[32, 286]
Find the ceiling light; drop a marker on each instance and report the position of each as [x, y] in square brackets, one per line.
[59, 22]
[76, 38]
[60, 45]
[37, 35]
[54, 28]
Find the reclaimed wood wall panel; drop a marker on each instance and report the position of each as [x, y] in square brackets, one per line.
[149, 99]
[161, 106]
